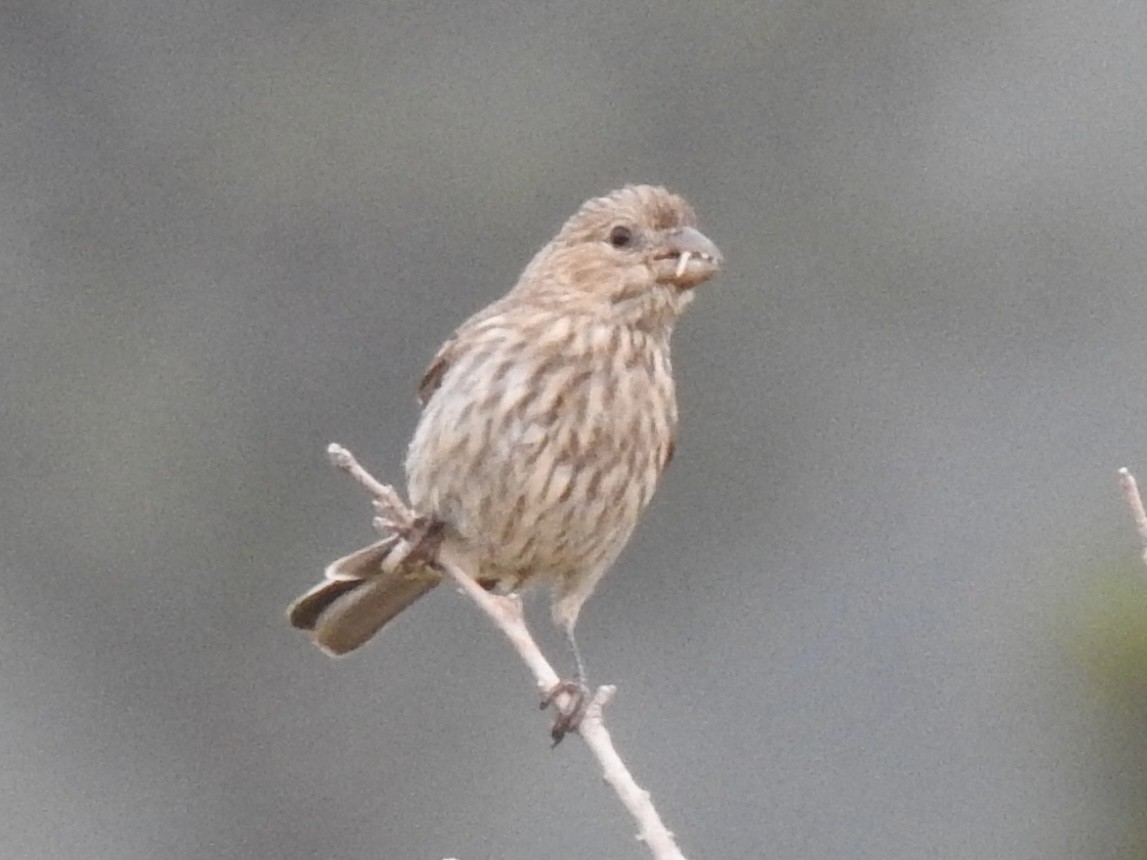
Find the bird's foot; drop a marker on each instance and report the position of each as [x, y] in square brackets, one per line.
[568, 716]
[425, 537]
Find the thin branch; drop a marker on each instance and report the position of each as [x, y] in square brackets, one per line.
[506, 612]
[651, 830]
[1135, 503]
[387, 502]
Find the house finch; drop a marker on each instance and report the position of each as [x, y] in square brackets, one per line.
[547, 419]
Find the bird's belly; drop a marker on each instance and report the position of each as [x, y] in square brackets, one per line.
[539, 498]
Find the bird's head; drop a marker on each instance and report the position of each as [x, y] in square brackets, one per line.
[639, 244]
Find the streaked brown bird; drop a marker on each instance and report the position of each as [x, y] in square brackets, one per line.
[547, 419]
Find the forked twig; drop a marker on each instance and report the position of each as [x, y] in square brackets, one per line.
[387, 503]
[506, 612]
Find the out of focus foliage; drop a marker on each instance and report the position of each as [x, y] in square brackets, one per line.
[1108, 636]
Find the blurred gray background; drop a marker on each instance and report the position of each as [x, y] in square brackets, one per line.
[232, 232]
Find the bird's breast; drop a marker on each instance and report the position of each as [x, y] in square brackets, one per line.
[541, 453]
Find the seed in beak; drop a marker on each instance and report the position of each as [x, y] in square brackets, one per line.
[683, 262]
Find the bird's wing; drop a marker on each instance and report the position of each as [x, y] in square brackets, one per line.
[455, 347]
[432, 378]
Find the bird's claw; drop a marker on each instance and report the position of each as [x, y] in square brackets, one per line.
[425, 537]
[568, 717]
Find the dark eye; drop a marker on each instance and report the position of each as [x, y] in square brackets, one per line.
[621, 236]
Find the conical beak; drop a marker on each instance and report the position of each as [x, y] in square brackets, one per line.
[687, 258]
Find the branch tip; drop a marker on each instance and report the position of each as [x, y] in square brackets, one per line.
[1135, 503]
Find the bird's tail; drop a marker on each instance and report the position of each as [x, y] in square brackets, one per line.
[357, 596]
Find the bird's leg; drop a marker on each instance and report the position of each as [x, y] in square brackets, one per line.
[579, 664]
[569, 717]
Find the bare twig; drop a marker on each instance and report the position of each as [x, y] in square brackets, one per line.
[387, 503]
[651, 830]
[506, 612]
[1135, 503]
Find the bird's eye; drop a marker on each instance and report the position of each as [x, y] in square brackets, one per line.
[621, 236]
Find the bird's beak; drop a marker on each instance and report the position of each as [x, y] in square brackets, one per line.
[685, 258]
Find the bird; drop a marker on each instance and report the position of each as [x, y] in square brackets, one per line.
[546, 421]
